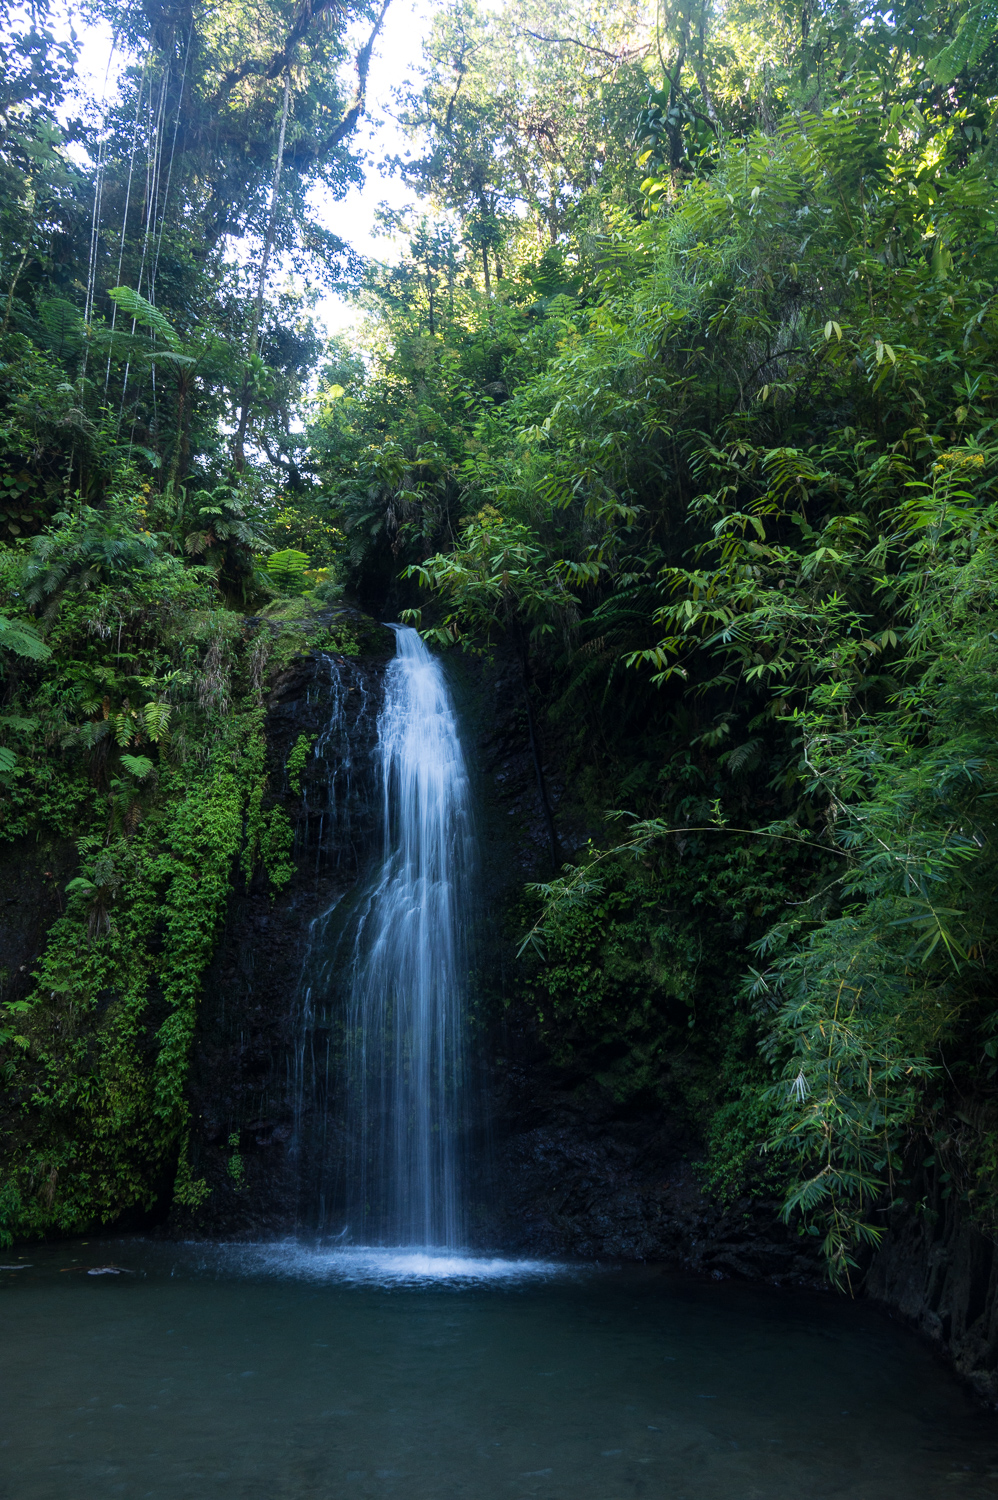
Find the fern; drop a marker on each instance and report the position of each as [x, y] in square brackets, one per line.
[286, 569]
[62, 323]
[157, 719]
[142, 312]
[975, 31]
[138, 766]
[23, 640]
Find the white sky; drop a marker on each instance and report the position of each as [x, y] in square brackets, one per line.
[398, 50]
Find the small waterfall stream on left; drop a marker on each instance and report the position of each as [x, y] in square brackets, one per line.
[382, 1086]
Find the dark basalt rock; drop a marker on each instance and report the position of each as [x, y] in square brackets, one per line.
[938, 1272]
[242, 1090]
[33, 877]
[584, 1181]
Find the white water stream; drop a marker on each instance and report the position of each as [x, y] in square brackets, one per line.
[396, 976]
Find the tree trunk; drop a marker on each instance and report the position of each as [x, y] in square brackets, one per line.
[268, 245]
[179, 440]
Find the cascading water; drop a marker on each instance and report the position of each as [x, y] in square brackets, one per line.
[386, 988]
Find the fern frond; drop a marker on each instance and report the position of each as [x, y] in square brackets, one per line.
[142, 312]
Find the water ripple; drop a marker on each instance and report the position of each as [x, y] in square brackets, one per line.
[406, 1265]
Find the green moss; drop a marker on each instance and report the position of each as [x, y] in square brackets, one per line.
[188, 1191]
[298, 760]
[101, 1046]
[289, 609]
[340, 640]
[276, 847]
[234, 1165]
[166, 812]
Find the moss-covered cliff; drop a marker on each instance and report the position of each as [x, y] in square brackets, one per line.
[152, 784]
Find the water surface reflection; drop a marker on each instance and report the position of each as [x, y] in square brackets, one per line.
[271, 1372]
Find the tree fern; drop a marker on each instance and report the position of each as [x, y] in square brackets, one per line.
[975, 31]
[142, 312]
[22, 639]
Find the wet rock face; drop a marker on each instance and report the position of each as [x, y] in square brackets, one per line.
[577, 1175]
[33, 877]
[939, 1273]
[245, 1110]
[573, 1173]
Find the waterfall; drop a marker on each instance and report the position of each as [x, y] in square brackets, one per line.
[388, 979]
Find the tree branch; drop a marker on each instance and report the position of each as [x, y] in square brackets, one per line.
[276, 64]
[361, 67]
[574, 41]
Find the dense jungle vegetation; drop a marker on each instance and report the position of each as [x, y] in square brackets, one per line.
[683, 397]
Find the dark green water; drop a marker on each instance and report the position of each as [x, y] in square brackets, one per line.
[267, 1375]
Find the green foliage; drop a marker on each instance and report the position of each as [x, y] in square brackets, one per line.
[188, 1191]
[234, 1165]
[301, 752]
[277, 839]
[341, 640]
[684, 393]
[495, 579]
[109, 1117]
[846, 1016]
[83, 549]
[141, 311]
[286, 570]
[145, 744]
[23, 639]
[615, 990]
[739, 490]
[105, 1037]
[975, 31]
